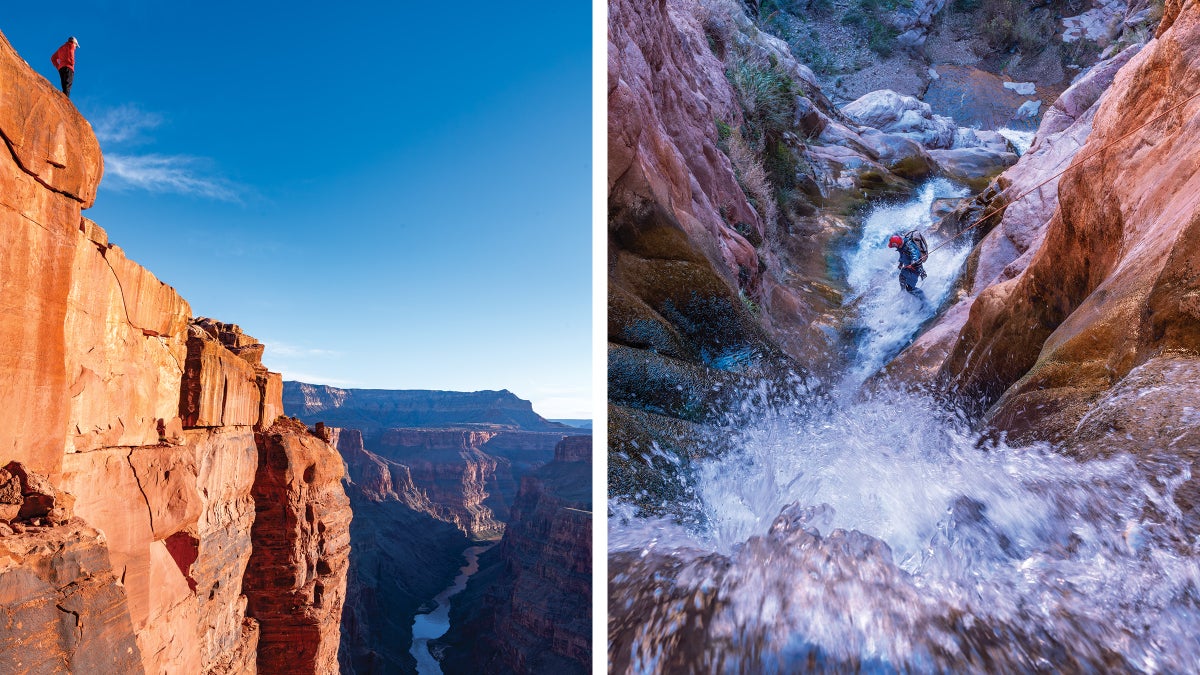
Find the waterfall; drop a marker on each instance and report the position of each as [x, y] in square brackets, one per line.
[883, 533]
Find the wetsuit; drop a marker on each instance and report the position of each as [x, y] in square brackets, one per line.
[910, 254]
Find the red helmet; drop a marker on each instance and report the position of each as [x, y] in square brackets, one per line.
[895, 241]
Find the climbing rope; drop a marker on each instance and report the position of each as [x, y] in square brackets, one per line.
[983, 219]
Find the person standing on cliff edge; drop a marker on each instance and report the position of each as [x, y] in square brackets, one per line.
[64, 60]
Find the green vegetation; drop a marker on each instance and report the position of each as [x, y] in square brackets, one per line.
[870, 16]
[724, 131]
[765, 95]
[747, 302]
[1004, 23]
[763, 147]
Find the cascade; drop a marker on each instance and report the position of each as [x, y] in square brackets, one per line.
[880, 530]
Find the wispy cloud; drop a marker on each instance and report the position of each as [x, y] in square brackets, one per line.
[282, 349]
[312, 378]
[125, 124]
[177, 174]
[123, 127]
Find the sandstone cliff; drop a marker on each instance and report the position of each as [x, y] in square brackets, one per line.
[528, 609]
[301, 543]
[1093, 345]
[131, 428]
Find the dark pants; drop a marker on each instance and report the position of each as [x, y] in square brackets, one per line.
[68, 76]
[909, 279]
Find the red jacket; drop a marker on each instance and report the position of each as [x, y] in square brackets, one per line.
[65, 56]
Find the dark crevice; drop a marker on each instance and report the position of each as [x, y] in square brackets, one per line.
[129, 458]
[21, 166]
[78, 620]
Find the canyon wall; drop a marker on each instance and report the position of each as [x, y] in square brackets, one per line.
[371, 410]
[733, 180]
[1093, 345]
[528, 609]
[297, 581]
[402, 555]
[420, 495]
[128, 436]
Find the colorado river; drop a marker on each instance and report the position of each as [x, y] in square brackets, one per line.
[434, 624]
[884, 534]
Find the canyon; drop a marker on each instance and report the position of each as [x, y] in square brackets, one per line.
[159, 511]
[789, 431]
[159, 514]
[431, 473]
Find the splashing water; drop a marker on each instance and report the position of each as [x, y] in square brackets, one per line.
[889, 317]
[1021, 140]
[881, 534]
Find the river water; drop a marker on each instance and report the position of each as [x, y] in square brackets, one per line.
[882, 533]
[434, 624]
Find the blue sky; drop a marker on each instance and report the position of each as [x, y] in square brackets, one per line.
[388, 195]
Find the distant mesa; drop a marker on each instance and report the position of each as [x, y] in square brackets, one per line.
[373, 410]
[577, 423]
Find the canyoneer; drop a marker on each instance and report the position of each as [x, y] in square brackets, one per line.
[914, 251]
[64, 60]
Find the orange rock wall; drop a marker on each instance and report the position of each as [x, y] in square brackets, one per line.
[219, 388]
[1114, 285]
[103, 368]
[61, 605]
[296, 580]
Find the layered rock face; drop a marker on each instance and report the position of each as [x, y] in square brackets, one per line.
[130, 552]
[528, 609]
[467, 476]
[1088, 337]
[296, 583]
[421, 496]
[371, 410]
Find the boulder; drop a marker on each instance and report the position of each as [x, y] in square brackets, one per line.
[62, 604]
[900, 154]
[974, 166]
[894, 113]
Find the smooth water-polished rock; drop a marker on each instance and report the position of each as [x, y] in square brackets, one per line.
[1112, 285]
[975, 167]
[894, 113]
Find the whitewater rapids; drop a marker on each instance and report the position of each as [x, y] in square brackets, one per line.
[882, 533]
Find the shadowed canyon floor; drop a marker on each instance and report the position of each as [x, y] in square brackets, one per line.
[430, 476]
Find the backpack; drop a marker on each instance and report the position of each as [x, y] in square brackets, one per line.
[915, 236]
[921, 243]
